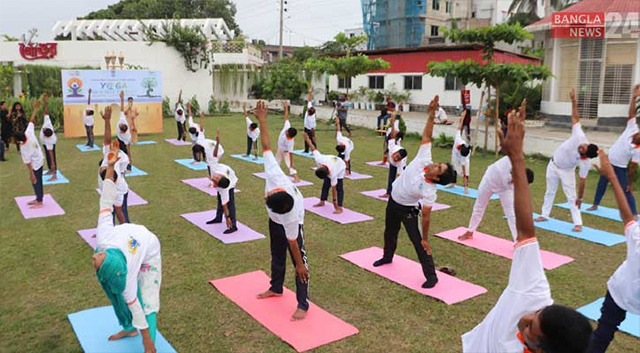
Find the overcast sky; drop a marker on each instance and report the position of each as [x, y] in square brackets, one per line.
[309, 22]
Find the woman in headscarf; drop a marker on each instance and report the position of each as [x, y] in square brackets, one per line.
[18, 120]
[128, 266]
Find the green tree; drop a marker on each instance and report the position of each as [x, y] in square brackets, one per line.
[283, 80]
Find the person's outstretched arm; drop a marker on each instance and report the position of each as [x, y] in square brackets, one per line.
[392, 120]
[286, 111]
[461, 122]
[122, 101]
[309, 94]
[215, 149]
[337, 126]
[428, 127]
[575, 115]
[260, 113]
[201, 121]
[106, 116]
[632, 105]
[89, 98]
[36, 106]
[606, 170]
[45, 98]
[179, 99]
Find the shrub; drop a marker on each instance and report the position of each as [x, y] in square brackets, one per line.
[224, 107]
[167, 110]
[333, 96]
[195, 106]
[443, 141]
[213, 109]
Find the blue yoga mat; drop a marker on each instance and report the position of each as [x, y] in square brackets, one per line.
[145, 143]
[94, 326]
[248, 159]
[589, 234]
[604, 212]
[459, 190]
[135, 172]
[61, 179]
[187, 163]
[630, 325]
[302, 154]
[84, 148]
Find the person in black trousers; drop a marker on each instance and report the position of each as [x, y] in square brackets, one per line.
[397, 157]
[310, 122]
[6, 129]
[342, 113]
[32, 156]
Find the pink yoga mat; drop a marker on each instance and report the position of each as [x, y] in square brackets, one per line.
[132, 200]
[178, 142]
[49, 207]
[347, 216]
[409, 274]
[300, 183]
[89, 235]
[377, 164]
[353, 176]
[501, 247]
[317, 329]
[243, 233]
[376, 195]
[202, 184]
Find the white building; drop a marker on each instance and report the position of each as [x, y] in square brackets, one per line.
[353, 32]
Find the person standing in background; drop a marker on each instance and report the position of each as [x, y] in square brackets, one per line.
[7, 126]
[18, 120]
[88, 121]
[343, 109]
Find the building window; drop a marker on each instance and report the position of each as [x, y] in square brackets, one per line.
[344, 82]
[434, 31]
[448, 6]
[453, 84]
[620, 63]
[413, 82]
[435, 5]
[376, 82]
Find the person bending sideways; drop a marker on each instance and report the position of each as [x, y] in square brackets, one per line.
[120, 208]
[576, 151]
[397, 156]
[128, 265]
[394, 125]
[331, 169]
[32, 157]
[285, 206]
[195, 133]
[460, 156]
[344, 146]
[525, 319]
[623, 288]
[624, 156]
[211, 150]
[285, 144]
[49, 139]
[310, 121]
[253, 132]
[224, 180]
[412, 197]
[124, 132]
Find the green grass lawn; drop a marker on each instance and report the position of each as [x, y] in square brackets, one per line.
[47, 274]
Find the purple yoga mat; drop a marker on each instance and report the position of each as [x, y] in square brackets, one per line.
[377, 164]
[300, 183]
[346, 217]
[49, 207]
[202, 184]
[178, 142]
[133, 198]
[243, 233]
[376, 195]
[89, 235]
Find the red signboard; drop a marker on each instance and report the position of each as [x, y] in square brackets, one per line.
[34, 51]
[578, 25]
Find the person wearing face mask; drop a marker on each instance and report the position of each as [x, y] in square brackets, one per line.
[89, 121]
[525, 319]
[180, 119]
[397, 155]
[412, 197]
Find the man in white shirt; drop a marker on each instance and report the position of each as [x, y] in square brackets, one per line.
[344, 146]
[128, 266]
[623, 288]
[285, 144]
[49, 139]
[253, 132]
[211, 150]
[397, 156]
[393, 126]
[460, 156]
[413, 195]
[225, 180]
[285, 206]
[331, 169]
[120, 211]
[576, 151]
[195, 133]
[524, 319]
[310, 121]
[625, 156]
[180, 119]
[32, 156]
[124, 132]
[88, 121]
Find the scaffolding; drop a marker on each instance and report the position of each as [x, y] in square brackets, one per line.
[393, 23]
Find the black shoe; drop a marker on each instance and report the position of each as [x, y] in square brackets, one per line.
[431, 282]
[3, 160]
[381, 262]
[230, 230]
[214, 221]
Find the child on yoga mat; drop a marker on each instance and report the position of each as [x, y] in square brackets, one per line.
[124, 132]
[32, 156]
[128, 266]
[344, 147]
[286, 143]
[412, 197]
[285, 206]
[253, 132]
[525, 318]
[224, 180]
[396, 153]
[49, 139]
[331, 169]
[460, 156]
[194, 133]
[623, 288]
[122, 187]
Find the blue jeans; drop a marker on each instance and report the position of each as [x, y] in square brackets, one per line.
[623, 179]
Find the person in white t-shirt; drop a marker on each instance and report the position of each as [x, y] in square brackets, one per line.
[120, 211]
[461, 155]
[211, 150]
[397, 156]
[180, 119]
[87, 118]
[344, 146]
[195, 133]
[576, 151]
[625, 156]
[123, 132]
[253, 132]
[32, 157]
[393, 126]
[285, 206]
[331, 169]
[310, 121]
[49, 140]
[224, 180]
[128, 265]
[286, 143]
[525, 319]
[412, 197]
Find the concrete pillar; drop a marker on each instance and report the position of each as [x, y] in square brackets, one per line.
[17, 83]
[555, 64]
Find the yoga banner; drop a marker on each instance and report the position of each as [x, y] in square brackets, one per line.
[145, 87]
